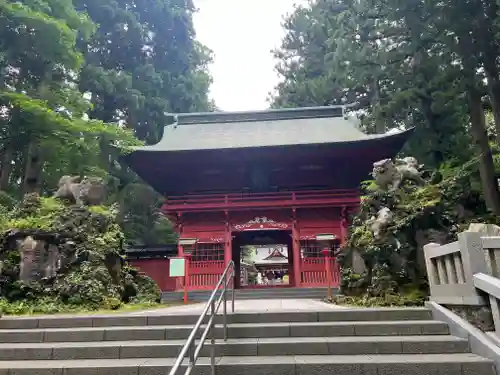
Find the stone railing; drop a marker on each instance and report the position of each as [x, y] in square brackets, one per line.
[466, 272]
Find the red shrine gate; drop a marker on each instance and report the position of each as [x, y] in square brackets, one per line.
[286, 177]
[307, 222]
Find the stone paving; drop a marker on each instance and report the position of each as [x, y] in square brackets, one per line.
[248, 306]
[241, 306]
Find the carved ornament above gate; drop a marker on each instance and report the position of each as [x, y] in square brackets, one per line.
[261, 222]
[216, 239]
[211, 240]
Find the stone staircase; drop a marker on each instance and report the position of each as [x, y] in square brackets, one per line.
[340, 342]
[252, 293]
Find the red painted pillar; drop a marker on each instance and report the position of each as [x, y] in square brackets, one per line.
[228, 247]
[181, 282]
[297, 261]
[186, 277]
[326, 253]
[344, 225]
[180, 249]
[227, 250]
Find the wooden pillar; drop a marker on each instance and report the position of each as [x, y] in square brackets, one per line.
[180, 249]
[228, 248]
[297, 261]
[344, 224]
[180, 282]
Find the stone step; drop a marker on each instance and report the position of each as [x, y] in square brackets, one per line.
[256, 293]
[152, 319]
[410, 364]
[244, 330]
[238, 347]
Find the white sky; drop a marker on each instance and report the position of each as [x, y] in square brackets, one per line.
[241, 33]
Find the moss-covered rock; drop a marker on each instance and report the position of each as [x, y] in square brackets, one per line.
[77, 251]
[479, 316]
[434, 212]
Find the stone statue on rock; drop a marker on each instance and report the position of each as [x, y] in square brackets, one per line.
[381, 222]
[40, 256]
[390, 175]
[89, 191]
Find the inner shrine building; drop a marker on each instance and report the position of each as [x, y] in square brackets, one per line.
[286, 177]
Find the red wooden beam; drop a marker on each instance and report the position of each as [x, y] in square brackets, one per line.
[315, 198]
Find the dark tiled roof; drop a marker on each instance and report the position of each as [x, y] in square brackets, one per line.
[303, 126]
[299, 133]
[267, 258]
[256, 134]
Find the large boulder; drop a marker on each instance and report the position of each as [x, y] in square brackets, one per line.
[400, 212]
[88, 191]
[71, 253]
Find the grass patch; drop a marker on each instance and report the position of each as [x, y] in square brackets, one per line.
[389, 300]
[32, 308]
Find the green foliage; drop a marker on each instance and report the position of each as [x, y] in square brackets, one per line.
[92, 273]
[392, 60]
[53, 306]
[411, 299]
[402, 65]
[81, 81]
[152, 66]
[6, 201]
[434, 212]
[140, 216]
[41, 32]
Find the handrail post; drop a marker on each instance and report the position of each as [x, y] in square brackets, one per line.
[232, 288]
[190, 349]
[224, 297]
[212, 338]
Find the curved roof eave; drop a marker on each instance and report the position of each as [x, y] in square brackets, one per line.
[402, 136]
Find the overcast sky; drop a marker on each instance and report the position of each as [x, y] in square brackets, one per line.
[242, 33]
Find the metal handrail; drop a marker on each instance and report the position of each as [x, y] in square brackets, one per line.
[213, 305]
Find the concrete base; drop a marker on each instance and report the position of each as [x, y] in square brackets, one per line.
[480, 343]
[257, 293]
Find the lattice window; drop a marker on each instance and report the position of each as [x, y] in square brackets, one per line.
[336, 246]
[311, 248]
[208, 252]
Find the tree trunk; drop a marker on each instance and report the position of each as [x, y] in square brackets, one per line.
[421, 77]
[380, 126]
[494, 89]
[6, 167]
[433, 124]
[32, 173]
[478, 127]
[486, 166]
[490, 51]
[105, 153]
